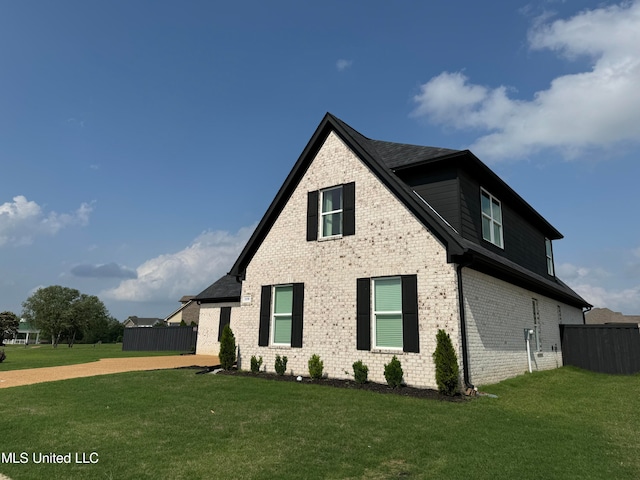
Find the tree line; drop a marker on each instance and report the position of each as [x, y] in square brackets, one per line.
[65, 314]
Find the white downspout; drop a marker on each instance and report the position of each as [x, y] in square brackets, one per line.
[527, 336]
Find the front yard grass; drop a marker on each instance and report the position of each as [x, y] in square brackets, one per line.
[20, 357]
[174, 424]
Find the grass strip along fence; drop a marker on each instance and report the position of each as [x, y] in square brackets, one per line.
[174, 424]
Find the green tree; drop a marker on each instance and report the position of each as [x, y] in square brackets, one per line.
[115, 331]
[227, 348]
[446, 360]
[89, 320]
[8, 325]
[61, 311]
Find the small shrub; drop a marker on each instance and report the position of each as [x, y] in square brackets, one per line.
[393, 372]
[315, 367]
[227, 348]
[446, 360]
[255, 364]
[360, 372]
[2, 356]
[281, 364]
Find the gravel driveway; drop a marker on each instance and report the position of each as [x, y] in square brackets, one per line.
[16, 378]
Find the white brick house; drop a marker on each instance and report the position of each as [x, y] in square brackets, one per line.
[370, 247]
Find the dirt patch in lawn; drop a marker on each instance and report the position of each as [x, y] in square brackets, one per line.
[105, 366]
[351, 384]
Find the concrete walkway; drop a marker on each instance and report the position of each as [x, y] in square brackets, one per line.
[106, 366]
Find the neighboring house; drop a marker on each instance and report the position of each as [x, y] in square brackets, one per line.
[134, 321]
[216, 303]
[604, 315]
[189, 312]
[370, 247]
[25, 335]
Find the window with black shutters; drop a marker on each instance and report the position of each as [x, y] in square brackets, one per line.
[331, 212]
[387, 313]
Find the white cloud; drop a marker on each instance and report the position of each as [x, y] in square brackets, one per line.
[343, 64]
[597, 286]
[626, 301]
[23, 220]
[573, 273]
[593, 109]
[187, 272]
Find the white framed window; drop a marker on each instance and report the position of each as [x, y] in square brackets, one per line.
[331, 210]
[491, 218]
[549, 254]
[536, 324]
[281, 315]
[387, 313]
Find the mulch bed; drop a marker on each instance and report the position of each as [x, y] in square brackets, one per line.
[351, 384]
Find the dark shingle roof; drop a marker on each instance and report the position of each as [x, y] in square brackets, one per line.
[396, 155]
[144, 321]
[225, 289]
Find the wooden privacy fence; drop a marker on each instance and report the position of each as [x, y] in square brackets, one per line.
[182, 339]
[602, 348]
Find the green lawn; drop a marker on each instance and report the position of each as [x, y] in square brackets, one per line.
[174, 424]
[35, 356]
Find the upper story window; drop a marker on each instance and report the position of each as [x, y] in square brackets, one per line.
[491, 219]
[331, 212]
[549, 253]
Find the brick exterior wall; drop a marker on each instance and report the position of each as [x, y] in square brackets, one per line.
[209, 322]
[388, 241]
[191, 313]
[497, 313]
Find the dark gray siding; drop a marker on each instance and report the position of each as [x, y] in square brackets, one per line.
[523, 243]
[439, 188]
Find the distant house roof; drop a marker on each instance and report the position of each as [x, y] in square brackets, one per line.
[24, 326]
[604, 315]
[184, 303]
[143, 322]
[225, 289]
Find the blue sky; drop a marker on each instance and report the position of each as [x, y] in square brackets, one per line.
[141, 142]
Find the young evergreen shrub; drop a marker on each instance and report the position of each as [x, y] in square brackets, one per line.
[315, 367]
[446, 360]
[281, 365]
[227, 348]
[255, 364]
[393, 372]
[360, 372]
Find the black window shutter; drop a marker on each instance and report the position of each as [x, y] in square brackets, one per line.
[297, 317]
[410, 333]
[349, 209]
[363, 314]
[225, 319]
[312, 216]
[265, 315]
